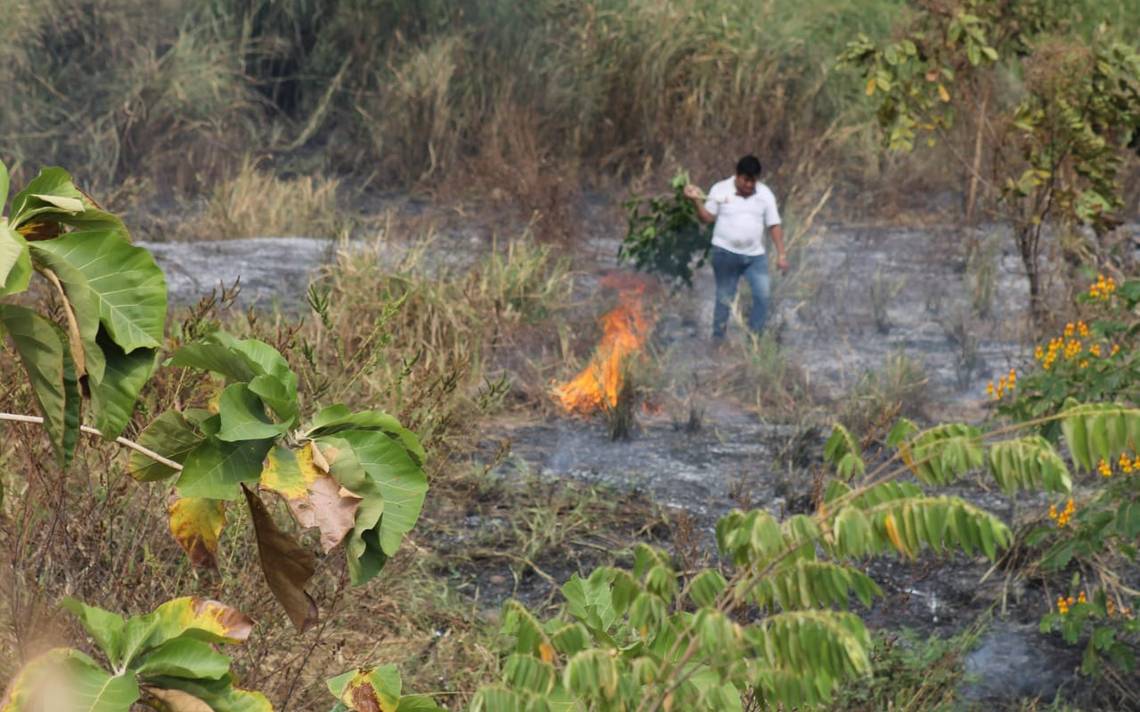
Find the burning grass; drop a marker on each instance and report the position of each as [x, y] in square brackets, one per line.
[625, 330]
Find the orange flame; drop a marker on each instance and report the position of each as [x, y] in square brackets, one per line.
[625, 329]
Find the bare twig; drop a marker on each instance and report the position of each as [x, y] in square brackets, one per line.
[37, 420]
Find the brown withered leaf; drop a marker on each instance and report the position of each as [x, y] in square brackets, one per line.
[286, 564]
[170, 700]
[318, 457]
[33, 231]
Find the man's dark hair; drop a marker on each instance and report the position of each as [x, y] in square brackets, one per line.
[749, 166]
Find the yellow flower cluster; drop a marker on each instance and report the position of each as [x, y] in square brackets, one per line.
[1127, 464]
[1004, 384]
[1111, 609]
[1103, 288]
[1064, 604]
[1070, 346]
[1104, 468]
[1062, 518]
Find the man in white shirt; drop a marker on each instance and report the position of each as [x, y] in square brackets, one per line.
[741, 209]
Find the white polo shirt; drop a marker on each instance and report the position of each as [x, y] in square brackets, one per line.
[740, 222]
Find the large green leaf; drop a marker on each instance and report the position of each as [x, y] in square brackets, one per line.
[113, 395]
[84, 304]
[209, 355]
[213, 468]
[402, 482]
[102, 625]
[183, 657]
[15, 260]
[337, 418]
[170, 435]
[66, 680]
[259, 365]
[187, 617]
[48, 363]
[127, 285]
[95, 690]
[243, 416]
[52, 197]
[275, 382]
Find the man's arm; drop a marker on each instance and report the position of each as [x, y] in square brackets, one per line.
[693, 193]
[778, 241]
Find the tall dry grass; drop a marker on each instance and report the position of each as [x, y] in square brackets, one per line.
[254, 201]
[404, 92]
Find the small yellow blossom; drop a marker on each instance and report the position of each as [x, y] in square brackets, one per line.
[1125, 463]
[1083, 329]
[1062, 518]
[1103, 288]
[1104, 468]
[1094, 350]
[1115, 350]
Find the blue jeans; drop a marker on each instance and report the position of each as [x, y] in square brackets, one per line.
[727, 268]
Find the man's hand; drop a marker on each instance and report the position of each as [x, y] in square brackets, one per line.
[782, 263]
[692, 192]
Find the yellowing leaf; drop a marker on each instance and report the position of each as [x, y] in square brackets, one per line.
[546, 652]
[870, 86]
[893, 533]
[285, 474]
[196, 524]
[219, 622]
[943, 94]
[315, 499]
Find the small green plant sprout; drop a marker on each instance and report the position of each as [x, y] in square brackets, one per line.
[164, 660]
[375, 690]
[665, 235]
[103, 340]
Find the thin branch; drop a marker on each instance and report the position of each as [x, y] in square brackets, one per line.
[37, 420]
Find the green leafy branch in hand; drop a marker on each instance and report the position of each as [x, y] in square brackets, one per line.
[665, 236]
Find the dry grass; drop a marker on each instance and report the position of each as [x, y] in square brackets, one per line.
[255, 202]
[420, 341]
